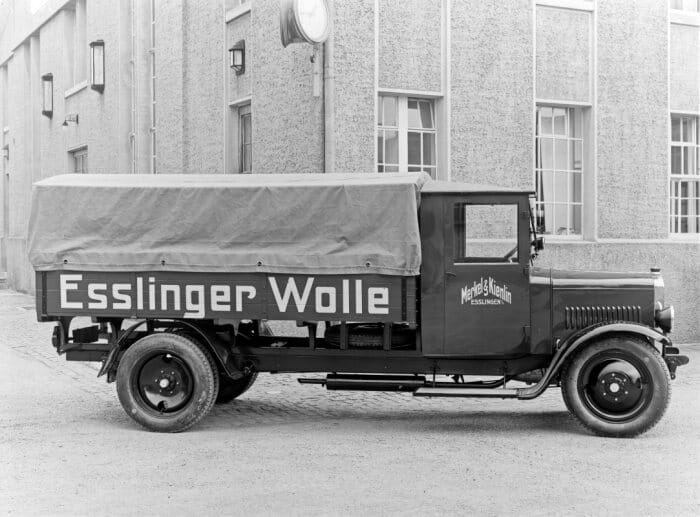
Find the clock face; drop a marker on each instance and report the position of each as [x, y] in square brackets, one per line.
[313, 19]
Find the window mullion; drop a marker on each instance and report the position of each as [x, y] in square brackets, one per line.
[403, 133]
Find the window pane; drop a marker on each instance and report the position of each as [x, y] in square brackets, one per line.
[559, 121]
[676, 129]
[414, 168]
[414, 148]
[561, 159]
[577, 155]
[426, 114]
[413, 114]
[546, 120]
[428, 148]
[575, 123]
[547, 151]
[389, 111]
[485, 233]
[560, 220]
[688, 160]
[547, 186]
[561, 187]
[380, 147]
[575, 218]
[676, 160]
[392, 146]
[391, 168]
[691, 161]
[575, 192]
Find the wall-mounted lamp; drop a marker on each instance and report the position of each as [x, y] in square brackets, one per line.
[47, 98]
[237, 57]
[97, 65]
[70, 117]
[6, 152]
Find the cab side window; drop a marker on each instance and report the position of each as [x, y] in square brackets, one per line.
[485, 233]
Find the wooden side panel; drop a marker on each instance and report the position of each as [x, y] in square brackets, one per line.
[380, 298]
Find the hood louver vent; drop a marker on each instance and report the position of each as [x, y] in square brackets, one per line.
[581, 317]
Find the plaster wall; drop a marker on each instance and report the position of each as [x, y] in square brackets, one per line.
[350, 85]
[685, 68]
[170, 65]
[632, 119]
[410, 44]
[287, 119]
[54, 158]
[492, 92]
[204, 59]
[563, 41]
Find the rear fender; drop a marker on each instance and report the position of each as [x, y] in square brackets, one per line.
[219, 349]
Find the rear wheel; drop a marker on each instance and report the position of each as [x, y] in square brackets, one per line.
[617, 387]
[167, 382]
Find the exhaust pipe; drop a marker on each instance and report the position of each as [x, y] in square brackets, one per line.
[369, 382]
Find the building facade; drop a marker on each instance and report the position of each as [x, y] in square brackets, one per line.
[592, 103]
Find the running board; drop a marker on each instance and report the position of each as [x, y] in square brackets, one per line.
[503, 393]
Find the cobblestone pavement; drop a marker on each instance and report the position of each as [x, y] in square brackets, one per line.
[67, 448]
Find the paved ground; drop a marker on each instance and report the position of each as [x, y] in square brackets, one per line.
[67, 448]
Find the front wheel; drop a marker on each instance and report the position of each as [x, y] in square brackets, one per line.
[167, 382]
[618, 387]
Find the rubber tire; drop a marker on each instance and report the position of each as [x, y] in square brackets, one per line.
[649, 417]
[363, 335]
[230, 389]
[205, 382]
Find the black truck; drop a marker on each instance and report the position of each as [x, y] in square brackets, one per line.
[396, 283]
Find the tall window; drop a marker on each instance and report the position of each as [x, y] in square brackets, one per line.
[558, 170]
[685, 174]
[406, 134]
[80, 160]
[245, 140]
[686, 5]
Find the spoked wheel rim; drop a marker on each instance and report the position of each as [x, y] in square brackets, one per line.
[164, 382]
[615, 386]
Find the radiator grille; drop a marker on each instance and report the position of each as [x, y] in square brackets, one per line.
[580, 317]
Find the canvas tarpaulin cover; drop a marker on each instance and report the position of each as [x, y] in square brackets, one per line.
[273, 223]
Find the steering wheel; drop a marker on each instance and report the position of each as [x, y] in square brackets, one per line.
[509, 256]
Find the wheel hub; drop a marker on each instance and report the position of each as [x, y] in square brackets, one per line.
[165, 383]
[614, 389]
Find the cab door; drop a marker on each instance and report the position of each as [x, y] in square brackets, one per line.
[487, 301]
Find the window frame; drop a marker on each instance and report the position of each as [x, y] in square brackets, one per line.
[80, 155]
[403, 129]
[570, 171]
[459, 233]
[685, 9]
[244, 112]
[689, 177]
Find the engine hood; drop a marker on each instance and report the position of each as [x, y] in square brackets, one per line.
[566, 279]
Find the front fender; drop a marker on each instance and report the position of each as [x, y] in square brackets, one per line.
[579, 339]
[601, 329]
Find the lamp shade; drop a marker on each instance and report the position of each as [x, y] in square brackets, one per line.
[47, 95]
[97, 65]
[237, 57]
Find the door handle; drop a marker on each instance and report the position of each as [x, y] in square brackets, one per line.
[450, 273]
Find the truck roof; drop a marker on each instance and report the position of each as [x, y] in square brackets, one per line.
[456, 187]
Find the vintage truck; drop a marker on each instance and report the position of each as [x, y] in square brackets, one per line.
[395, 282]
